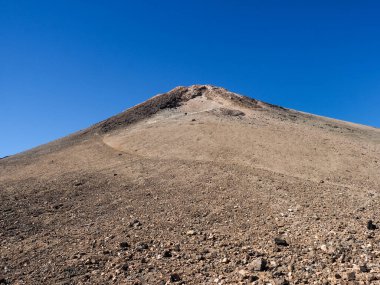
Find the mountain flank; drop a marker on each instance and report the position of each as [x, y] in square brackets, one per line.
[198, 185]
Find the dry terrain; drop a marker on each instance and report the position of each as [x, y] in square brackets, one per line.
[196, 186]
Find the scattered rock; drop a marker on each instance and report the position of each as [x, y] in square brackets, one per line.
[142, 246]
[190, 232]
[167, 254]
[135, 224]
[175, 277]
[323, 247]
[244, 273]
[259, 264]
[280, 242]
[350, 276]
[364, 269]
[125, 267]
[124, 245]
[281, 281]
[371, 226]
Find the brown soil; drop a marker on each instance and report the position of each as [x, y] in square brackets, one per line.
[196, 186]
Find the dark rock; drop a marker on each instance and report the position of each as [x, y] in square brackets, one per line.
[280, 242]
[193, 120]
[175, 277]
[124, 245]
[125, 267]
[57, 206]
[364, 269]
[371, 226]
[142, 246]
[3, 281]
[351, 276]
[167, 254]
[253, 278]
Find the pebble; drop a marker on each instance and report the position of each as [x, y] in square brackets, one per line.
[175, 277]
[135, 224]
[280, 242]
[124, 245]
[371, 226]
[258, 264]
[351, 276]
[364, 269]
[190, 232]
[167, 254]
[323, 247]
[125, 267]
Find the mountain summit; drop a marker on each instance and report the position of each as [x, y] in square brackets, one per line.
[198, 185]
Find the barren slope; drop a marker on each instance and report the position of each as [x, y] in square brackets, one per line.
[195, 185]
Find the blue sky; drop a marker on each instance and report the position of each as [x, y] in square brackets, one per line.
[65, 65]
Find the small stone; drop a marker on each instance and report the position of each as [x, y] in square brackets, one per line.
[124, 245]
[258, 264]
[371, 226]
[323, 247]
[281, 281]
[190, 232]
[364, 269]
[177, 248]
[243, 272]
[253, 278]
[225, 260]
[175, 277]
[135, 224]
[167, 254]
[124, 267]
[142, 246]
[351, 276]
[280, 242]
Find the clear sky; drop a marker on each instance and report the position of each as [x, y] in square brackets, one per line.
[65, 65]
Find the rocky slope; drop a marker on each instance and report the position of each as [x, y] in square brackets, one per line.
[196, 186]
